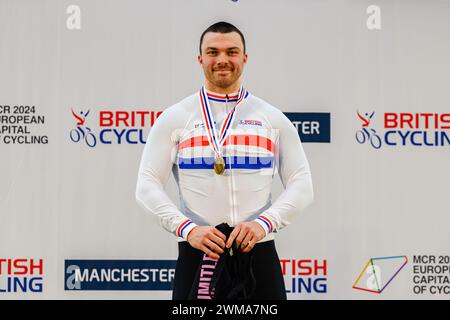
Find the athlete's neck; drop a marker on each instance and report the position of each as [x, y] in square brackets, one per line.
[228, 90]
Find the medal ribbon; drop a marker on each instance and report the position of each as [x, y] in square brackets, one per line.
[216, 142]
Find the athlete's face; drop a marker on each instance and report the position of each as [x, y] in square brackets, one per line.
[222, 58]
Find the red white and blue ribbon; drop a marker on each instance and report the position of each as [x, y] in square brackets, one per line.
[216, 142]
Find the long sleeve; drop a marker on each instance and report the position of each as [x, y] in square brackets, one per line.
[294, 171]
[154, 170]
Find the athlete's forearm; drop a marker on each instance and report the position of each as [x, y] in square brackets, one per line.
[152, 197]
[154, 171]
[291, 202]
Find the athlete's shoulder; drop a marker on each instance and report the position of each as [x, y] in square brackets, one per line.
[179, 112]
[185, 105]
[189, 101]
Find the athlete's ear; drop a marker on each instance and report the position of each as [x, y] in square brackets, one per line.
[200, 60]
[245, 57]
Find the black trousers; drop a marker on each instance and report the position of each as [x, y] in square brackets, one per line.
[266, 269]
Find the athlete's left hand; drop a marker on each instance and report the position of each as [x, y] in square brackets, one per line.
[246, 235]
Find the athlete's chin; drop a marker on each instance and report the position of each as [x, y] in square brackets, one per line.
[223, 85]
[224, 82]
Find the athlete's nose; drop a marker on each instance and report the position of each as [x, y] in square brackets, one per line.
[222, 59]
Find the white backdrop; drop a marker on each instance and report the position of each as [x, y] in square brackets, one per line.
[63, 200]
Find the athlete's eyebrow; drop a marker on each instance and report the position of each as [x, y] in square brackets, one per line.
[228, 49]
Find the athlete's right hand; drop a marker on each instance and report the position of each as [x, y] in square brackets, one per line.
[207, 239]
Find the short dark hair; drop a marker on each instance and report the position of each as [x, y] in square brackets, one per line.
[221, 27]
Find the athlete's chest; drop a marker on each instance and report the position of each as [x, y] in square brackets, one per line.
[247, 135]
[248, 142]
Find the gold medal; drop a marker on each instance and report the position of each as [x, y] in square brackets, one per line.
[219, 165]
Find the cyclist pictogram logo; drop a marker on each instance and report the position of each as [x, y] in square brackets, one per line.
[82, 132]
[366, 133]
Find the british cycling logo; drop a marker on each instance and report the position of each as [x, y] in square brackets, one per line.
[21, 275]
[305, 276]
[405, 129]
[81, 132]
[378, 273]
[367, 134]
[114, 127]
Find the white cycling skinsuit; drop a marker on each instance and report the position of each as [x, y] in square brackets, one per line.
[262, 141]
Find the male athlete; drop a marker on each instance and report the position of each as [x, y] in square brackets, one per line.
[224, 146]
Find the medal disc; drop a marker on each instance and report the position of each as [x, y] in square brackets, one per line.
[219, 165]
